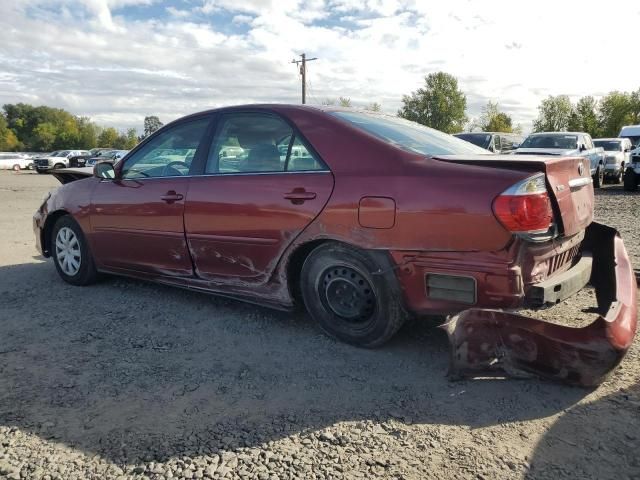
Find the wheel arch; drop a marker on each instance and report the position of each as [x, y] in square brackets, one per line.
[297, 258]
[51, 220]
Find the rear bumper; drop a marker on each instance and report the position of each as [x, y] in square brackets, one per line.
[562, 286]
[485, 340]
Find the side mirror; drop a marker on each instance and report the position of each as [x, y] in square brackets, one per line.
[104, 170]
[583, 147]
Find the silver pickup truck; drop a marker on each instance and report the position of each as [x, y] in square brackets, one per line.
[566, 144]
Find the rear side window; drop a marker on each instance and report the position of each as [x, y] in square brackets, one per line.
[258, 143]
[410, 136]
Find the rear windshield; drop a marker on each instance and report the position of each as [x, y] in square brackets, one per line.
[609, 145]
[550, 141]
[635, 141]
[482, 140]
[408, 135]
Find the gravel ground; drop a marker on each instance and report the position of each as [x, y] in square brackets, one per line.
[126, 379]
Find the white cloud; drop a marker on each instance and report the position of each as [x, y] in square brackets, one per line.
[94, 58]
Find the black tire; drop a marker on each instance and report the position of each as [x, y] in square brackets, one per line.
[16, 168]
[620, 177]
[347, 301]
[598, 177]
[58, 166]
[86, 273]
[630, 181]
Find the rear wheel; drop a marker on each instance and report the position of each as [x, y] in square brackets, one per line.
[598, 177]
[71, 254]
[630, 181]
[57, 166]
[347, 301]
[16, 168]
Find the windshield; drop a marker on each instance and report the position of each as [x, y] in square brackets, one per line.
[551, 141]
[609, 145]
[408, 135]
[482, 140]
[635, 141]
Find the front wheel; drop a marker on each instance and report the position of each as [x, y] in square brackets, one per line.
[598, 178]
[630, 181]
[346, 299]
[71, 254]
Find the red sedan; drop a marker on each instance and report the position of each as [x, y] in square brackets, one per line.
[366, 219]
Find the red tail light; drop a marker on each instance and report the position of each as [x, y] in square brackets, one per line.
[525, 207]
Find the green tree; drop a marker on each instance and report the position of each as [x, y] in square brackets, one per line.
[493, 120]
[584, 118]
[131, 139]
[8, 140]
[344, 101]
[616, 111]
[43, 137]
[87, 133]
[553, 114]
[108, 138]
[440, 104]
[151, 124]
[373, 107]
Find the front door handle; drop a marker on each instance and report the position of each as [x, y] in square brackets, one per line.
[171, 196]
[299, 195]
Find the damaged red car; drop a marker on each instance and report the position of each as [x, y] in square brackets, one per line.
[364, 219]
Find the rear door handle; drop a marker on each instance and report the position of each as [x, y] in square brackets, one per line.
[299, 195]
[171, 197]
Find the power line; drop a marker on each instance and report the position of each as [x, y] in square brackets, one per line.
[303, 72]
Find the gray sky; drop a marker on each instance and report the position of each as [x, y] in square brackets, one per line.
[119, 60]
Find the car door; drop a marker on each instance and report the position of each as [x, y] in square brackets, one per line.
[137, 218]
[252, 198]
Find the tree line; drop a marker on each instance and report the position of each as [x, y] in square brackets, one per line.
[439, 104]
[26, 127]
[442, 105]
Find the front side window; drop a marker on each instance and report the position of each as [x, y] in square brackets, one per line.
[257, 143]
[167, 154]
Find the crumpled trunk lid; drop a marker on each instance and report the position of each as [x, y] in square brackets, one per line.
[568, 178]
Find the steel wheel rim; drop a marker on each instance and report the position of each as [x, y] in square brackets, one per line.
[347, 294]
[68, 251]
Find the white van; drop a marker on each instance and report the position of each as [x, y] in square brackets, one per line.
[632, 132]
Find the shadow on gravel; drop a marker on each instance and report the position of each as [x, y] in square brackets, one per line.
[594, 440]
[612, 190]
[135, 371]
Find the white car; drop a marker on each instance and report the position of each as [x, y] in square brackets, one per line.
[15, 161]
[57, 159]
[617, 154]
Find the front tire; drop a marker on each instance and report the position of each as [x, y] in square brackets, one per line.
[598, 178]
[71, 254]
[630, 181]
[16, 168]
[347, 301]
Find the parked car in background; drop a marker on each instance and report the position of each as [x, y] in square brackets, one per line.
[632, 132]
[384, 220]
[617, 152]
[80, 161]
[15, 161]
[632, 172]
[56, 160]
[110, 156]
[567, 144]
[496, 142]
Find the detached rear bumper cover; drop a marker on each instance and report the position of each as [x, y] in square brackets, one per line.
[488, 340]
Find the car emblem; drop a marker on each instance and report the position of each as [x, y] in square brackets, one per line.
[580, 169]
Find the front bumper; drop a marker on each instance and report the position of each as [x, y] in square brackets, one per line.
[485, 340]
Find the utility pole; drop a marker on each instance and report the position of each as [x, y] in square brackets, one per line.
[303, 72]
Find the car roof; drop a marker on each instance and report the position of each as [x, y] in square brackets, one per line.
[616, 139]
